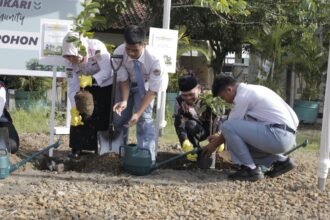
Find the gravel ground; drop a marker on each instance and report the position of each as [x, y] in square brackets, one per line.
[100, 190]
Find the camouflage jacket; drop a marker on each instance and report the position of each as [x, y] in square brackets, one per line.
[200, 112]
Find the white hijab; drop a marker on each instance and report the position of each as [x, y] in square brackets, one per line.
[70, 48]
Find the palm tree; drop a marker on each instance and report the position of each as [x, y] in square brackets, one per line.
[186, 45]
[272, 46]
[309, 57]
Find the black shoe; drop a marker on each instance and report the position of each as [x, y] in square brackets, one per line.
[280, 167]
[247, 174]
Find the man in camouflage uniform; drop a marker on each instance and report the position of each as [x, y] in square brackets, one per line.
[193, 118]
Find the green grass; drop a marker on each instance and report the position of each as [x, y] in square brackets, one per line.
[169, 134]
[312, 133]
[31, 121]
[35, 120]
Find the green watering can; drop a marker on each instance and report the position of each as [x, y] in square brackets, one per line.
[6, 168]
[137, 161]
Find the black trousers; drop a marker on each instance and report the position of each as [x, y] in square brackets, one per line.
[84, 137]
[196, 132]
[13, 144]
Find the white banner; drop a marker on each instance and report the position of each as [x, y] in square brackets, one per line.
[52, 34]
[166, 43]
[19, 40]
[22, 31]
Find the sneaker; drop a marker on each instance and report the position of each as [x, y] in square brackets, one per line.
[247, 174]
[280, 167]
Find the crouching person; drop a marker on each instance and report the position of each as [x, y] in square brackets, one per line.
[192, 118]
[260, 128]
[8, 135]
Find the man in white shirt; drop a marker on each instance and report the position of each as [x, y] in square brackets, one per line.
[140, 78]
[260, 128]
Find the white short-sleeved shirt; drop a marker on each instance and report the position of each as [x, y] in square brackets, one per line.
[151, 67]
[103, 77]
[262, 104]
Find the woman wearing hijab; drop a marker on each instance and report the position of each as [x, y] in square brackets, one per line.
[91, 73]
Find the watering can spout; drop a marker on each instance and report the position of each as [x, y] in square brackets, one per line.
[6, 168]
[158, 165]
[21, 163]
[303, 144]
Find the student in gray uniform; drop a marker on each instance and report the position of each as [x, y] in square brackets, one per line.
[260, 128]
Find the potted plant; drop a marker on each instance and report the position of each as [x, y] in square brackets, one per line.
[218, 115]
[310, 63]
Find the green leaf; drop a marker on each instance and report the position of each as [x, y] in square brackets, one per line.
[72, 39]
[94, 5]
[82, 48]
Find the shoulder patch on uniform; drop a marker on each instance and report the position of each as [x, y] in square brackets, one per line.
[156, 72]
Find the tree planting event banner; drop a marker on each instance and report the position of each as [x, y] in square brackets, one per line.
[166, 43]
[32, 30]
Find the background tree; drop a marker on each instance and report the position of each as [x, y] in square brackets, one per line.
[113, 12]
[271, 28]
[309, 51]
[83, 24]
[216, 24]
[205, 20]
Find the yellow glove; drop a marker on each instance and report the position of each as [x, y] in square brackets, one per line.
[85, 81]
[187, 146]
[221, 148]
[76, 119]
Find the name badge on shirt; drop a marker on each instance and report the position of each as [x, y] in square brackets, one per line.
[69, 72]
